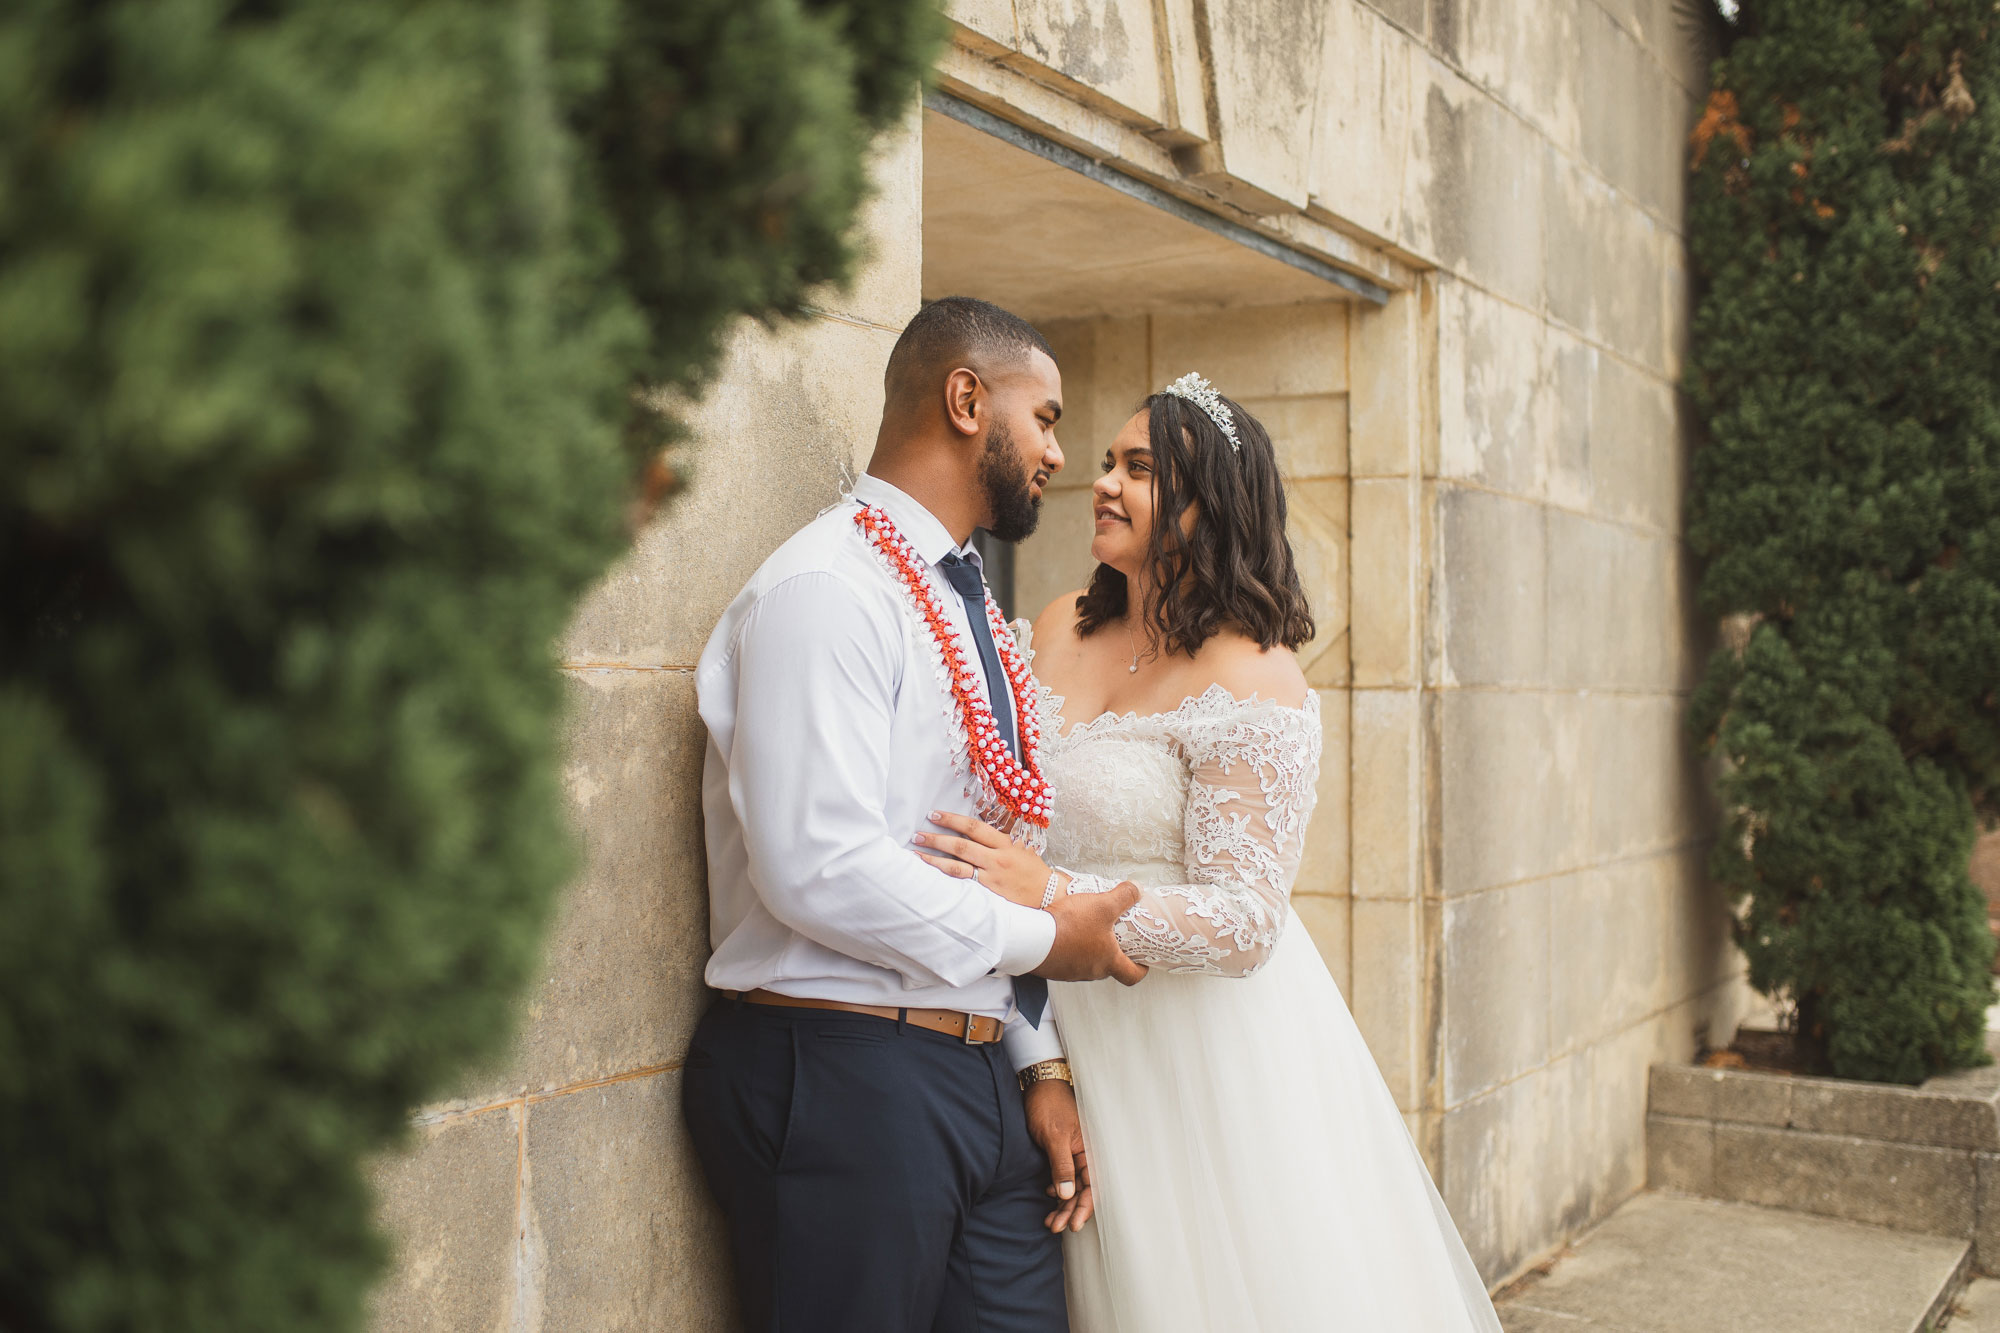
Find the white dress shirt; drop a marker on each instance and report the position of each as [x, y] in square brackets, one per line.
[828, 747]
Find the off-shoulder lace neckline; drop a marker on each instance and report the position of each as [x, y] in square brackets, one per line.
[1215, 701]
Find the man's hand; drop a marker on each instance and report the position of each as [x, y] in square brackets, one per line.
[1085, 949]
[1055, 1127]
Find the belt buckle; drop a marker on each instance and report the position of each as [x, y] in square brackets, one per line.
[971, 1020]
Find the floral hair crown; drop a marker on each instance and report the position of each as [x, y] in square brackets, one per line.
[1203, 395]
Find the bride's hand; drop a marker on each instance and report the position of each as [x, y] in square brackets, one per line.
[977, 851]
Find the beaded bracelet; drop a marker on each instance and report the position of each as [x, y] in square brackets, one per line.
[1049, 894]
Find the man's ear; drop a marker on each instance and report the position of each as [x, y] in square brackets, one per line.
[964, 401]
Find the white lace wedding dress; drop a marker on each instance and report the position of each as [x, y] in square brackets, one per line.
[1253, 1174]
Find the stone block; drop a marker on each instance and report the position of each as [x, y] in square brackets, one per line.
[1644, 789]
[1986, 1235]
[1475, 192]
[1325, 920]
[1635, 121]
[1265, 63]
[1901, 1115]
[1057, 558]
[1528, 54]
[1496, 406]
[1619, 451]
[1386, 991]
[1256, 351]
[1604, 934]
[802, 404]
[1511, 766]
[1615, 615]
[1106, 46]
[1605, 264]
[1385, 797]
[1382, 597]
[985, 25]
[621, 983]
[1907, 1186]
[1490, 588]
[1361, 120]
[1388, 351]
[1325, 866]
[621, 1230]
[1316, 523]
[1309, 434]
[448, 1206]
[1506, 1171]
[1745, 1096]
[888, 288]
[1496, 987]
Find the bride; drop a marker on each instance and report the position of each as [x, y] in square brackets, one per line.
[1248, 1167]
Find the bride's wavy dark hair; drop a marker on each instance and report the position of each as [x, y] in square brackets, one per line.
[1235, 567]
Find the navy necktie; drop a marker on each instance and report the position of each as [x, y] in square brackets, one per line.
[1031, 993]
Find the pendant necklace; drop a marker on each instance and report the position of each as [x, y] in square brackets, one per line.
[1134, 641]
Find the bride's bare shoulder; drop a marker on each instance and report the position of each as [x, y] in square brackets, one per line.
[1244, 668]
[1057, 622]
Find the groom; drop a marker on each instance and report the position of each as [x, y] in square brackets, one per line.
[853, 1092]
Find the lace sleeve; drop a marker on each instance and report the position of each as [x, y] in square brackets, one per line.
[1251, 789]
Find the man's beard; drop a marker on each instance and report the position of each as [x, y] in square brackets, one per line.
[1009, 487]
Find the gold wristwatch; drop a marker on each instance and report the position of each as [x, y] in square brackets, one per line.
[1046, 1069]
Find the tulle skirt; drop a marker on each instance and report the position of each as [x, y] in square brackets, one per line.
[1252, 1172]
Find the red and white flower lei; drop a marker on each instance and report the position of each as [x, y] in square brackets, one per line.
[1015, 786]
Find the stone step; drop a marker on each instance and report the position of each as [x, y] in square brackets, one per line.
[1671, 1263]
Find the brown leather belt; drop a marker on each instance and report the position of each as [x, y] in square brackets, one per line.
[972, 1029]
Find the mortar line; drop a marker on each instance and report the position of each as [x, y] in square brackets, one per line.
[1488, 488]
[838, 318]
[624, 666]
[1629, 858]
[526, 1099]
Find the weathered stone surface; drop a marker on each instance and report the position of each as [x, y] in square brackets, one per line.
[989, 22]
[1491, 583]
[1986, 1219]
[1512, 765]
[1528, 55]
[1680, 1154]
[1507, 1170]
[1902, 1115]
[1382, 600]
[1638, 114]
[1863, 1180]
[1618, 449]
[886, 291]
[448, 1205]
[1107, 46]
[1266, 65]
[1255, 351]
[1361, 127]
[1316, 523]
[1667, 1264]
[1476, 194]
[1309, 434]
[621, 980]
[621, 1230]
[1605, 257]
[1385, 799]
[1977, 1309]
[1644, 794]
[1615, 619]
[1386, 991]
[1496, 987]
[1605, 927]
[804, 405]
[1390, 349]
[1496, 418]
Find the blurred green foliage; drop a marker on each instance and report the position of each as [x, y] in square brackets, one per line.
[323, 328]
[1845, 227]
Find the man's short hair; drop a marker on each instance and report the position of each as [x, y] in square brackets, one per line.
[955, 331]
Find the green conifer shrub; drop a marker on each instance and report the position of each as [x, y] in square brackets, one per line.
[1844, 222]
[323, 330]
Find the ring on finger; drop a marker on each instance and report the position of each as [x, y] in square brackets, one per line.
[976, 879]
